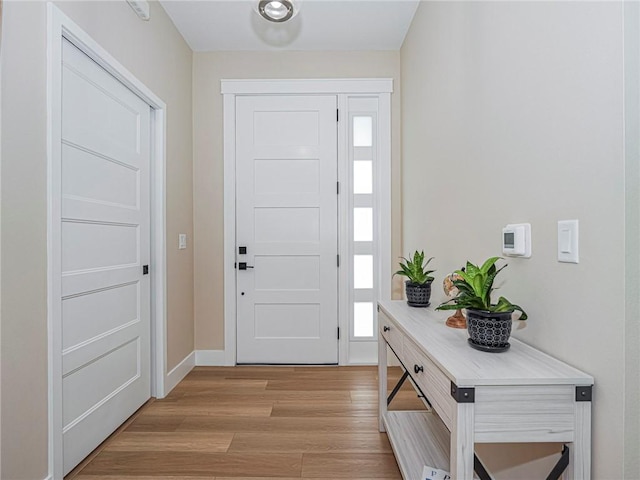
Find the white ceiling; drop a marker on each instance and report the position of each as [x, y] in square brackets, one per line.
[209, 25]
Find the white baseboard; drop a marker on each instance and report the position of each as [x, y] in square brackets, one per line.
[50, 477]
[179, 372]
[210, 358]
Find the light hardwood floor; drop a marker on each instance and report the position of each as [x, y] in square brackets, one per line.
[253, 423]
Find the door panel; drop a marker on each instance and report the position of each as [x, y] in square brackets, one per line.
[287, 272]
[294, 177]
[109, 309]
[106, 375]
[295, 321]
[92, 177]
[89, 245]
[286, 207]
[104, 243]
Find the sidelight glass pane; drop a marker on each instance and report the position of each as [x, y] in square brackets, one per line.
[362, 176]
[362, 131]
[363, 271]
[363, 224]
[363, 319]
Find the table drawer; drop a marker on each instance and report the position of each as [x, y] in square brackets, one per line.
[433, 383]
[391, 333]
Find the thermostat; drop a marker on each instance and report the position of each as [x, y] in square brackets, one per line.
[516, 240]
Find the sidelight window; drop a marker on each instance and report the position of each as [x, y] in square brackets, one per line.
[362, 157]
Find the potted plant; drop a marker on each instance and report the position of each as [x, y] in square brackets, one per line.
[488, 324]
[418, 283]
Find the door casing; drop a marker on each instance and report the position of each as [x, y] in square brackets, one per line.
[343, 89]
[59, 26]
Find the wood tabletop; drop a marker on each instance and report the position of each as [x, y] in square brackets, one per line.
[465, 366]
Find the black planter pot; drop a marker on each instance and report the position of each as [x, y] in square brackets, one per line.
[418, 295]
[489, 331]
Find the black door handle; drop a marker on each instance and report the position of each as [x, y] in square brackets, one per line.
[244, 266]
[385, 328]
[418, 368]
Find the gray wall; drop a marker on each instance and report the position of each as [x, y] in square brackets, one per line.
[514, 112]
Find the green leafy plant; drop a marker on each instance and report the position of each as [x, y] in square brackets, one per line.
[475, 288]
[415, 270]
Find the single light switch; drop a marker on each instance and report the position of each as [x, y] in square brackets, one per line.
[182, 241]
[565, 240]
[568, 241]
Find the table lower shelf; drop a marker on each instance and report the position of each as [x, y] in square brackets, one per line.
[418, 439]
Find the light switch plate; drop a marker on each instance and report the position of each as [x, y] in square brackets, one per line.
[182, 241]
[568, 241]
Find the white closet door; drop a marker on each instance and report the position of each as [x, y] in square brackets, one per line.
[105, 244]
[286, 207]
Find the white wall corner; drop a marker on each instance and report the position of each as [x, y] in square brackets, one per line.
[210, 358]
[179, 372]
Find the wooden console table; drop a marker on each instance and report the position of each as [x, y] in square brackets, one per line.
[521, 395]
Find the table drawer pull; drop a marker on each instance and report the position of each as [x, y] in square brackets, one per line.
[386, 329]
[418, 368]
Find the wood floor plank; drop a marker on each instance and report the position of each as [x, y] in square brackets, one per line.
[204, 442]
[217, 395]
[213, 409]
[322, 384]
[327, 409]
[144, 477]
[356, 443]
[221, 382]
[193, 463]
[404, 402]
[147, 422]
[333, 465]
[279, 424]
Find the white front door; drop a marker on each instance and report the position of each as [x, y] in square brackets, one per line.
[286, 208]
[104, 181]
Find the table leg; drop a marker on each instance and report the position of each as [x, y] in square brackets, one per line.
[462, 442]
[580, 450]
[382, 381]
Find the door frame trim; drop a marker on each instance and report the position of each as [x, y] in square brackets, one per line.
[61, 26]
[230, 88]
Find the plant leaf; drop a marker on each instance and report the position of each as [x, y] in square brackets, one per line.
[477, 285]
[414, 268]
[465, 276]
[472, 269]
[488, 264]
[503, 305]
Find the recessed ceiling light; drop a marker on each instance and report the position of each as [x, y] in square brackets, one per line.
[277, 10]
